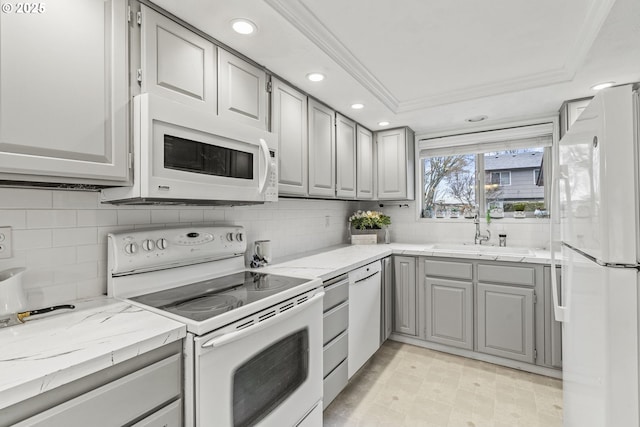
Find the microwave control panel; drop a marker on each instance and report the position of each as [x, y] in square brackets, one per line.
[271, 190]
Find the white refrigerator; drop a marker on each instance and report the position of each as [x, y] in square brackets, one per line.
[596, 181]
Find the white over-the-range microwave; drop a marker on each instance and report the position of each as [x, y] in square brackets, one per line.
[185, 156]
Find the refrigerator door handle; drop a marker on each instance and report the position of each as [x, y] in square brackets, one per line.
[561, 313]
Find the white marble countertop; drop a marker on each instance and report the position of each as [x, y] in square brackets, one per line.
[51, 350]
[58, 348]
[333, 261]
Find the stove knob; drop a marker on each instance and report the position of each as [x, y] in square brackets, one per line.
[230, 237]
[148, 245]
[239, 237]
[162, 244]
[131, 248]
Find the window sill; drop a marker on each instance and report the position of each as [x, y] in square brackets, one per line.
[483, 221]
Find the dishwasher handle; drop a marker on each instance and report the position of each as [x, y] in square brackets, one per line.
[366, 278]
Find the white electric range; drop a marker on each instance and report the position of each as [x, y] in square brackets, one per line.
[253, 352]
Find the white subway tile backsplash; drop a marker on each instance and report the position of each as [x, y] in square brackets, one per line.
[75, 272]
[75, 199]
[51, 218]
[92, 218]
[92, 287]
[51, 257]
[75, 236]
[191, 215]
[165, 216]
[134, 217]
[31, 239]
[92, 253]
[21, 198]
[17, 219]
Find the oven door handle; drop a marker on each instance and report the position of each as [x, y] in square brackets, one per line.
[234, 336]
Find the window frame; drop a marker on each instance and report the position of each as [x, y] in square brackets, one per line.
[535, 179]
[550, 156]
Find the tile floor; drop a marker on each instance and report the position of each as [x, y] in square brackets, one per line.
[404, 385]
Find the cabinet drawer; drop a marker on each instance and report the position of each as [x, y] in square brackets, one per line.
[132, 395]
[169, 416]
[455, 270]
[335, 294]
[334, 353]
[335, 322]
[512, 275]
[334, 383]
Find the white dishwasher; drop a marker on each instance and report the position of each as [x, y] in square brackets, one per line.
[364, 315]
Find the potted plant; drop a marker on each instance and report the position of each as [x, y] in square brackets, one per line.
[369, 222]
[518, 209]
[454, 213]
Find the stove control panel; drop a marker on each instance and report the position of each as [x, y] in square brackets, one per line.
[155, 248]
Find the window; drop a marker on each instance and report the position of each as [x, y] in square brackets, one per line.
[501, 163]
[501, 178]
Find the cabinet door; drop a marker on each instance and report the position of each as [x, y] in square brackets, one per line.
[404, 295]
[242, 91]
[64, 85]
[447, 315]
[387, 299]
[395, 164]
[345, 157]
[364, 163]
[505, 321]
[552, 328]
[177, 63]
[289, 121]
[322, 150]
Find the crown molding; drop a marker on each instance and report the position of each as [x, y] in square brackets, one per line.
[302, 18]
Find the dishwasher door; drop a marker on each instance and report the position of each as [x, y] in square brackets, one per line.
[364, 315]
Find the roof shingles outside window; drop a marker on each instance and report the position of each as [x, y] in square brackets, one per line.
[520, 167]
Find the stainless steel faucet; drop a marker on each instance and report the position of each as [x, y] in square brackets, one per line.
[479, 238]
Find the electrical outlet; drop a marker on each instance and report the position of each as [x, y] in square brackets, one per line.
[5, 242]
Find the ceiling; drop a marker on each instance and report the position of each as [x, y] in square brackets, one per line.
[431, 64]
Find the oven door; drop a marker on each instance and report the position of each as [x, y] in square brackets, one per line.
[268, 374]
[188, 154]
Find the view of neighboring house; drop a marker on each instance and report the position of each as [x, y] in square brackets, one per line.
[515, 176]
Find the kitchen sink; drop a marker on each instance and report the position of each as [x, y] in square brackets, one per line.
[471, 248]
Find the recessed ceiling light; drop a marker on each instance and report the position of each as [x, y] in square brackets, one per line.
[243, 26]
[357, 106]
[604, 85]
[476, 119]
[383, 123]
[315, 77]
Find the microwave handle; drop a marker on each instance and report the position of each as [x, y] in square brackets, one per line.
[264, 148]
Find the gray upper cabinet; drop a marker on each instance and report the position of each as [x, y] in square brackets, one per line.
[345, 157]
[64, 85]
[506, 321]
[404, 295]
[395, 154]
[289, 121]
[242, 91]
[364, 163]
[176, 63]
[322, 149]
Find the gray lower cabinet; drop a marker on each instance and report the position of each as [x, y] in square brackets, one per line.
[446, 312]
[145, 390]
[386, 309]
[335, 334]
[552, 328]
[404, 291]
[506, 321]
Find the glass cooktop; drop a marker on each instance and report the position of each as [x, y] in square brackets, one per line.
[202, 300]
